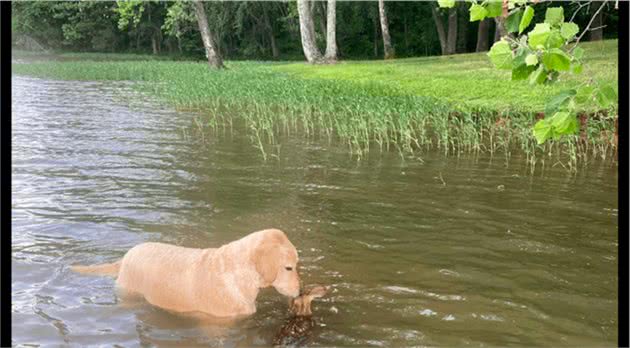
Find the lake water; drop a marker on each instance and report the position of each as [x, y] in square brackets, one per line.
[447, 251]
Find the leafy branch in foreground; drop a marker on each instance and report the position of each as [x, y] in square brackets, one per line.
[540, 56]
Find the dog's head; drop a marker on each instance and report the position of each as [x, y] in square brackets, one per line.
[276, 261]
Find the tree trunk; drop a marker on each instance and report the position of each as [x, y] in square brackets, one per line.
[375, 37]
[439, 25]
[482, 36]
[275, 53]
[499, 29]
[169, 45]
[307, 32]
[451, 41]
[130, 35]
[214, 58]
[322, 17]
[462, 29]
[598, 33]
[406, 34]
[388, 50]
[160, 38]
[331, 31]
[154, 44]
[151, 33]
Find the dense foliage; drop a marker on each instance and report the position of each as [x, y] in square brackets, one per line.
[245, 29]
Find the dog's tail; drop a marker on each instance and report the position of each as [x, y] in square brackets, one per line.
[109, 269]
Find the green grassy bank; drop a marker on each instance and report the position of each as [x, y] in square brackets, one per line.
[454, 103]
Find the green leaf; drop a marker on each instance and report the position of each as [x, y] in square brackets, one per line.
[539, 36]
[539, 76]
[513, 21]
[552, 76]
[610, 93]
[446, 3]
[556, 59]
[559, 101]
[494, 8]
[531, 59]
[528, 14]
[477, 12]
[501, 55]
[542, 131]
[601, 99]
[584, 94]
[519, 56]
[564, 123]
[555, 39]
[554, 16]
[576, 68]
[522, 72]
[568, 30]
[578, 52]
[605, 96]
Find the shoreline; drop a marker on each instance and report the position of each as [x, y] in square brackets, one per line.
[347, 103]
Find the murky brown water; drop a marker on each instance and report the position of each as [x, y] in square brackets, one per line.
[448, 252]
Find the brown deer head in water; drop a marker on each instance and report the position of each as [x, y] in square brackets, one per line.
[301, 305]
[297, 329]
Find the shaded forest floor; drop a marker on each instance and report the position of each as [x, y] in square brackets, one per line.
[454, 103]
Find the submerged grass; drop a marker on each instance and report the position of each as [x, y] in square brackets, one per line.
[454, 104]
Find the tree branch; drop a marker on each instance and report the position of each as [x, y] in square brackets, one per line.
[589, 25]
[581, 5]
[600, 27]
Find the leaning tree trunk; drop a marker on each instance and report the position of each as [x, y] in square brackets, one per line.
[307, 32]
[214, 58]
[482, 36]
[597, 33]
[439, 25]
[451, 42]
[331, 32]
[388, 50]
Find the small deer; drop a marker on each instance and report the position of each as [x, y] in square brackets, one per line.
[297, 329]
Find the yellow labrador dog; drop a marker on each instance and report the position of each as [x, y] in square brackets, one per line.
[222, 282]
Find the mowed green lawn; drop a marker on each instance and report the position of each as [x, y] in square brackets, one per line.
[464, 78]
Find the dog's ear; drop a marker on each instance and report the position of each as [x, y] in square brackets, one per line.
[267, 259]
